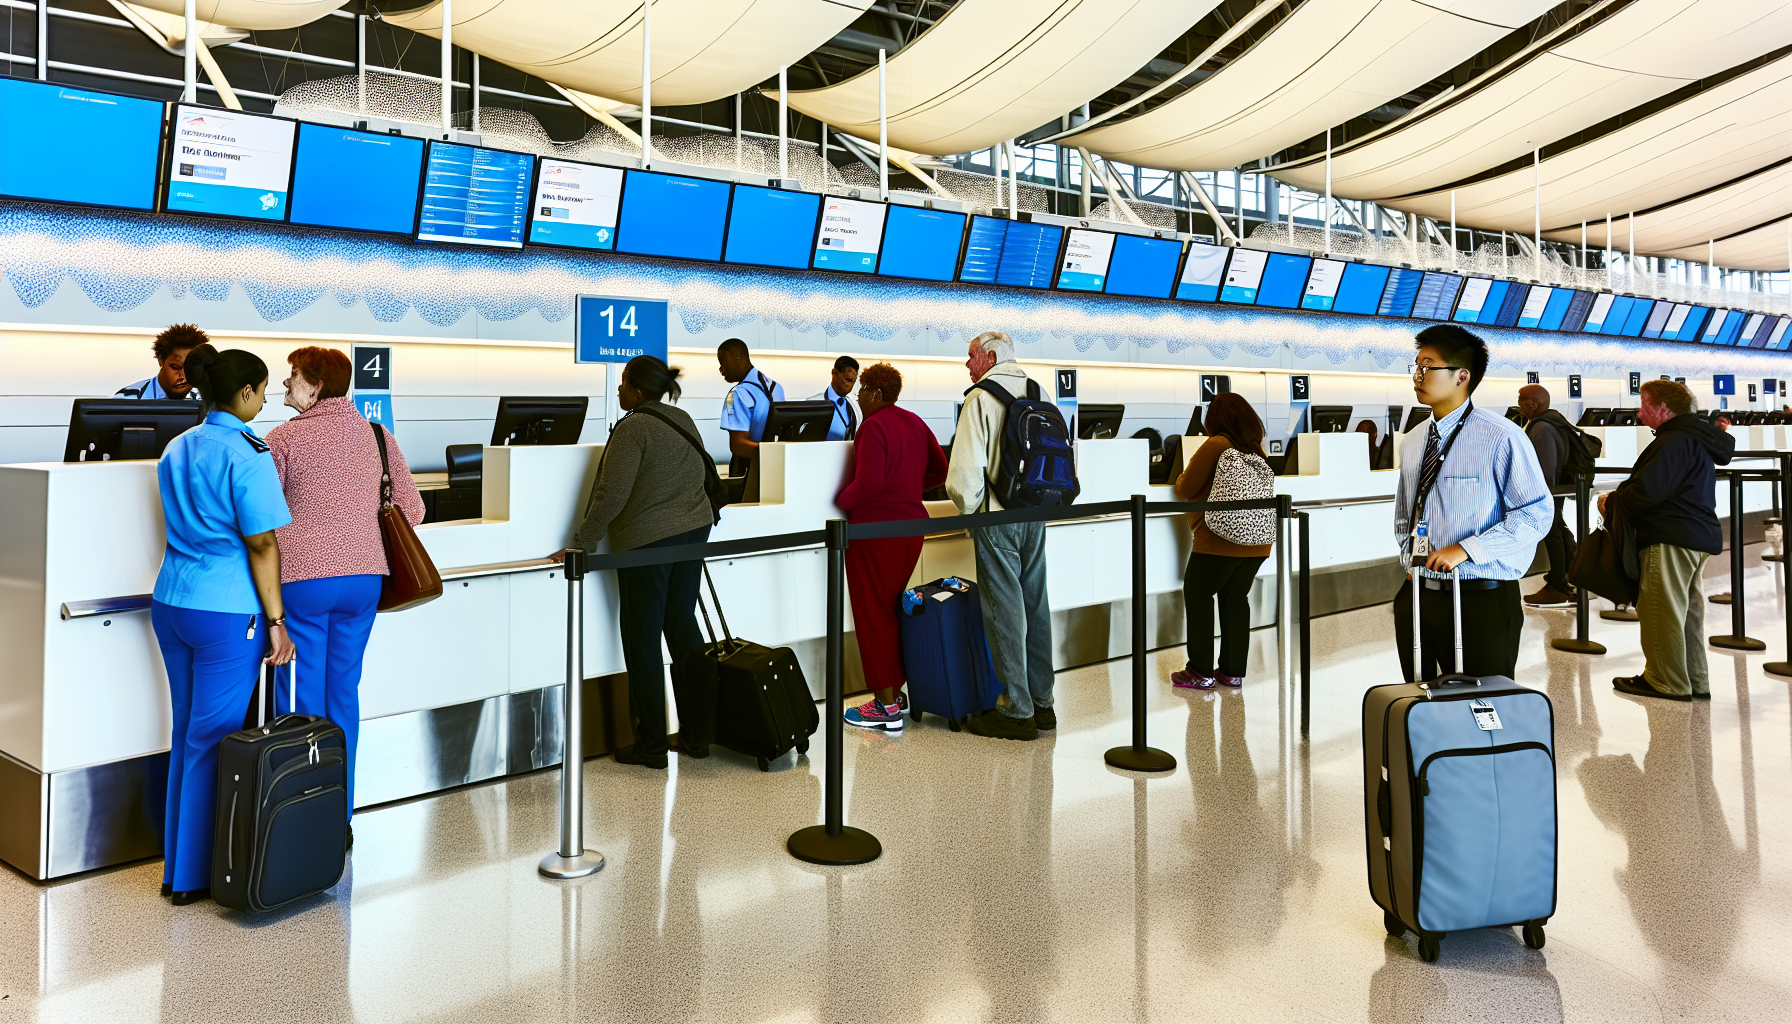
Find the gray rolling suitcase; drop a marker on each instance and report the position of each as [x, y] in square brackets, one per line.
[1459, 799]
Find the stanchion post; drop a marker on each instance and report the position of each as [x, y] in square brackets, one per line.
[1138, 757]
[1738, 638]
[835, 842]
[1580, 643]
[571, 859]
[1777, 517]
[1306, 621]
[1783, 668]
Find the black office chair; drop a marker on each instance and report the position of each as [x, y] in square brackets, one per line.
[1165, 460]
[463, 498]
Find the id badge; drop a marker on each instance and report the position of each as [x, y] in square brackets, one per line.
[1421, 541]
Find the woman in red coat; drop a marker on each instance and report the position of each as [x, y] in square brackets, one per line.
[895, 459]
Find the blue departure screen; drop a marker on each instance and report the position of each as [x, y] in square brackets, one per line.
[1496, 301]
[1143, 266]
[1693, 327]
[1617, 314]
[1639, 316]
[672, 215]
[1284, 279]
[983, 250]
[921, 243]
[76, 146]
[1029, 255]
[1437, 296]
[1578, 307]
[1556, 309]
[1360, 291]
[474, 195]
[1512, 305]
[771, 227]
[1732, 327]
[1402, 291]
[364, 181]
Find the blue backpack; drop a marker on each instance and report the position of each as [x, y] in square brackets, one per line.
[1036, 466]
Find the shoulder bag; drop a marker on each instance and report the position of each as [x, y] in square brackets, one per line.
[411, 576]
[713, 488]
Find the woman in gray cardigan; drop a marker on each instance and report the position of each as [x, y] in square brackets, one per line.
[650, 493]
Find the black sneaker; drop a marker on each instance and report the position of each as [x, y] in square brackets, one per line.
[1637, 686]
[1044, 719]
[994, 724]
[1701, 695]
[629, 755]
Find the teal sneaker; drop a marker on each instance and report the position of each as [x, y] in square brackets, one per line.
[874, 715]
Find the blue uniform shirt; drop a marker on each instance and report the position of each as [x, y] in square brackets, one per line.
[846, 414]
[747, 404]
[218, 486]
[150, 389]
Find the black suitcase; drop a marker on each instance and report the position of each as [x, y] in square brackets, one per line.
[763, 705]
[282, 827]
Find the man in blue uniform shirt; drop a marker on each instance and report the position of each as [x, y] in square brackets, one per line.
[171, 348]
[748, 403]
[839, 392]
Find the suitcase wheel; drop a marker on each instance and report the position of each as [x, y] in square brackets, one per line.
[953, 722]
[802, 746]
[1428, 948]
[914, 715]
[1533, 934]
[764, 765]
[1395, 926]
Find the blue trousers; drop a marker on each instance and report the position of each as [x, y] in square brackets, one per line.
[329, 620]
[212, 660]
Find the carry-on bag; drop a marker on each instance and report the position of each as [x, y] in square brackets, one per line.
[763, 705]
[282, 826]
[1459, 797]
[945, 653]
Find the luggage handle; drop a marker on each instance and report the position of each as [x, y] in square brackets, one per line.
[717, 601]
[265, 683]
[1455, 678]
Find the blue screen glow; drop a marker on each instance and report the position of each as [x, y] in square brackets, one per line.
[1029, 255]
[474, 195]
[1693, 327]
[364, 181]
[1639, 315]
[1556, 310]
[1403, 289]
[1143, 266]
[76, 146]
[771, 227]
[672, 215]
[1284, 278]
[1360, 291]
[921, 243]
[983, 250]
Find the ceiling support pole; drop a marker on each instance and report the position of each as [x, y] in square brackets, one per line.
[647, 84]
[883, 128]
[189, 54]
[447, 66]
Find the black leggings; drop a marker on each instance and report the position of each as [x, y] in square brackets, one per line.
[1229, 579]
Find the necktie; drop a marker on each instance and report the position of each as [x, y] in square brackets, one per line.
[1428, 471]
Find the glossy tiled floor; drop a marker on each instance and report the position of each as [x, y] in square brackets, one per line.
[1020, 881]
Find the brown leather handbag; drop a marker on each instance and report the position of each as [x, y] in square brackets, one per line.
[411, 576]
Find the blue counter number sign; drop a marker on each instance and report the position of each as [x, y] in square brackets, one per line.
[615, 329]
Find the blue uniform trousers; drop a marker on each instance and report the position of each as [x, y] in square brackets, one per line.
[212, 660]
[329, 620]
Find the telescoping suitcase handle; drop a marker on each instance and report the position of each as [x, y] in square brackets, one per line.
[717, 601]
[264, 687]
[1455, 678]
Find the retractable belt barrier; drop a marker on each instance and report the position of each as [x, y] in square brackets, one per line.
[1738, 639]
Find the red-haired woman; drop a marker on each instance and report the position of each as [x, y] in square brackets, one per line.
[332, 561]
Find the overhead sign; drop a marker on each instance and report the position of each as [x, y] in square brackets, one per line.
[1574, 385]
[1214, 385]
[1300, 387]
[615, 329]
[1723, 384]
[1532, 377]
[1636, 382]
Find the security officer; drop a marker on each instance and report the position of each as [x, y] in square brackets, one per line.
[216, 609]
[172, 347]
[845, 425]
[748, 403]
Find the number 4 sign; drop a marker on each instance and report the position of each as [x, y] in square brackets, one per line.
[373, 384]
[615, 329]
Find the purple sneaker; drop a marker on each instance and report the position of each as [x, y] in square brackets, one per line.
[1186, 680]
[1233, 681]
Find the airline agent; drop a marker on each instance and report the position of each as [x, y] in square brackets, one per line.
[748, 403]
[171, 348]
[845, 425]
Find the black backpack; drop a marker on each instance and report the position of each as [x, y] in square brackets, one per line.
[1580, 450]
[1037, 465]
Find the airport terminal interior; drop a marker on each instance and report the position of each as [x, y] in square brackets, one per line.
[1181, 216]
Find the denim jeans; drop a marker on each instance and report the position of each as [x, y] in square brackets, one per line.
[1016, 614]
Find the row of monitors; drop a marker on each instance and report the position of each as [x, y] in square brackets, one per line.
[235, 164]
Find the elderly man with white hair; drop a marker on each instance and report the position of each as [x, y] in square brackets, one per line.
[1010, 559]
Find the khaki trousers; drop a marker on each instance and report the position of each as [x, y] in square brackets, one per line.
[1671, 611]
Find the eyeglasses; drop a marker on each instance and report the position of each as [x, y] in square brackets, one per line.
[1417, 371]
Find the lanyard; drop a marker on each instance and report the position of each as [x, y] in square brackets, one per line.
[1429, 480]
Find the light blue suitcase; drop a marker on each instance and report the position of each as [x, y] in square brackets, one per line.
[1460, 801]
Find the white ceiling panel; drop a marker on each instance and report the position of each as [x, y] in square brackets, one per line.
[990, 70]
[1330, 61]
[1765, 247]
[1719, 213]
[256, 15]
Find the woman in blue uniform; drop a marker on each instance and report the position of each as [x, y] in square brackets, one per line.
[217, 611]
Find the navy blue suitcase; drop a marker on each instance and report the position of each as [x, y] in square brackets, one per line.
[945, 653]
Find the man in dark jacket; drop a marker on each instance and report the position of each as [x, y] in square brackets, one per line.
[1550, 433]
[1670, 500]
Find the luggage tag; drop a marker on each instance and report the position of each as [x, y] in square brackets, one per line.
[1421, 540]
[1486, 717]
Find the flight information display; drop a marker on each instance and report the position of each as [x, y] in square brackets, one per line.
[920, 243]
[228, 163]
[672, 215]
[1750, 329]
[771, 227]
[1693, 328]
[1725, 329]
[1243, 276]
[1086, 257]
[1639, 313]
[475, 196]
[1402, 291]
[1029, 254]
[361, 181]
[1777, 340]
[1512, 305]
[1602, 304]
[1361, 289]
[1658, 318]
[1437, 296]
[1474, 298]
[1203, 271]
[1143, 266]
[1322, 284]
[1284, 280]
[1535, 300]
[852, 230]
[76, 146]
[1555, 309]
[577, 205]
[1576, 314]
[1676, 320]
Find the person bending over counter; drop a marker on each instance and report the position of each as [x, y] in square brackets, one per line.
[171, 348]
[845, 424]
[1471, 496]
[748, 403]
[895, 459]
[333, 562]
[650, 493]
[217, 609]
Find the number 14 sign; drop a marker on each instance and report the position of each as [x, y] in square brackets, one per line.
[615, 329]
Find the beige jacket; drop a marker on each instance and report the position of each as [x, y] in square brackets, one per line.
[976, 447]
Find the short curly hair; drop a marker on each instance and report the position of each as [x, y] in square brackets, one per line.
[176, 338]
[882, 378]
[327, 368]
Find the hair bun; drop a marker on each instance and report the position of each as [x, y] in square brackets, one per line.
[198, 366]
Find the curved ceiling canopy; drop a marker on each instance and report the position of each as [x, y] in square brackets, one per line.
[702, 49]
[1330, 61]
[1643, 51]
[255, 15]
[990, 70]
[1689, 223]
[1765, 247]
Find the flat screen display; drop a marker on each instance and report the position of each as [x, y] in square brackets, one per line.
[852, 232]
[1322, 284]
[1658, 318]
[1777, 339]
[1534, 303]
[77, 146]
[1143, 266]
[1402, 291]
[920, 243]
[1670, 331]
[1750, 329]
[1203, 272]
[1715, 326]
[1602, 304]
[361, 181]
[1638, 316]
[474, 195]
[1284, 280]
[672, 215]
[577, 205]
[1617, 315]
[1576, 317]
[771, 227]
[982, 250]
[1732, 330]
[1086, 258]
[1474, 298]
[1693, 329]
[1512, 305]
[1029, 255]
[1556, 309]
[1360, 290]
[1437, 295]
[229, 164]
[1244, 275]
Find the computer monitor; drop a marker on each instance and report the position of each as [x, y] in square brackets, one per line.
[1330, 419]
[1621, 418]
[1515, 414]
[1418, 415]
[1096, 421]
[111, 429]
[798, 421]
[1592, 417]
[1195, 429]
[555, 420]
